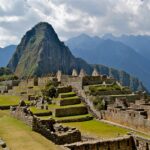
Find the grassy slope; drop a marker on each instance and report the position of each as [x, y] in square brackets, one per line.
[19, 136]
[8, 100]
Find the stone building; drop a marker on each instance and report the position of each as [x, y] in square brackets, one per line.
[95, 72]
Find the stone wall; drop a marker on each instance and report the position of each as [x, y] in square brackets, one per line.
[125, 143]
[65, 102]
[54, 132]
[62, 136]
[19, 113]
[71, 111]
[64, 89]
[142, 143]
[44, 80]
[136, 119]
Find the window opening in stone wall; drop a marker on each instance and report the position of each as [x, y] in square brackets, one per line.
[147, 146]
[137, 143]
[118, 145]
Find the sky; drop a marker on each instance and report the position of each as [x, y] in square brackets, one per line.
[70, 18]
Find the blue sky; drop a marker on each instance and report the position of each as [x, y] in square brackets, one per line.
[73, 17]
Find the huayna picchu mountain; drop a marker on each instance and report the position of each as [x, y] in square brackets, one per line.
[40, 52]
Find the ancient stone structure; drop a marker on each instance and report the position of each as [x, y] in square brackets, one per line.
[133, 115]
[48, 128]
[82, 73]
[74, 73]
[95, 73]
[59, 74]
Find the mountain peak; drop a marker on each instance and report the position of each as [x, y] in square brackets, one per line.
[40, 52]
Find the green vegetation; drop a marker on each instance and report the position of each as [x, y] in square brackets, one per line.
[67, 98]
[19, 136]
[104, 88]
[53, 106]
[6, 74]
[99, 103]
[36, 111]
[49, 90]
[66, 118]
[98, 129]
[69, 94]
[108, 89]
[5, 71]
[6, 100]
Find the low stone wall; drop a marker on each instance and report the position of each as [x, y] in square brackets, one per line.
[65, 102]
[64, 89]
[142, 143]
[124, 143]
[18, 113]
[63, 136]
[54, 132]
[71, 111]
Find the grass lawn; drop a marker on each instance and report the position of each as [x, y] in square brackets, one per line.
[53, 106]
[35, 110]
[100, 129]
[67, 98]
[19, 136]
[6, 100]
[64, 118]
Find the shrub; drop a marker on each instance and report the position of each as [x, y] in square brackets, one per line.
[99, 103]
[49, 90]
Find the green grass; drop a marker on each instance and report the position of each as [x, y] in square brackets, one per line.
[53, 106]
[65, 118]
[69, 94]
[67, 98]
[100, 129]
[9, 100]
[35, 110]
[19, 136]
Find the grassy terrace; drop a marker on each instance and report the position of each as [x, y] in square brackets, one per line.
[67, 98]
[69, 94]
[19, 136]
[53, 106]
[98, 129]
[9, 100]
[35, 110]
[65, 118]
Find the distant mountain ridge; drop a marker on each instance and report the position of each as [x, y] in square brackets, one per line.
[5, 54]
[40, 52]
[111, 53]
[140, 43]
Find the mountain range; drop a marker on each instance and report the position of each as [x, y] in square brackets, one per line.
[40, 52]
[113, 52]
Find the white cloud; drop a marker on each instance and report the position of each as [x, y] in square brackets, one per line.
[72, 17]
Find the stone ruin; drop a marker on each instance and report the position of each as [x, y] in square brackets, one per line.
[95, 73]
[74, 73]
[49, 128]
[58, 75]
[82, 73]
[134, 114]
